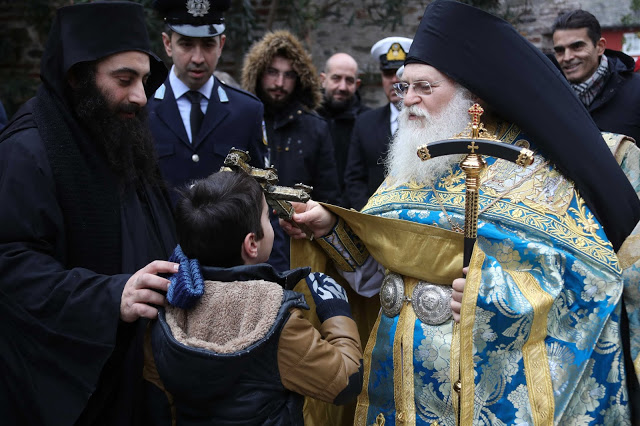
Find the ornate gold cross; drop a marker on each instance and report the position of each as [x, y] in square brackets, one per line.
[475, 111]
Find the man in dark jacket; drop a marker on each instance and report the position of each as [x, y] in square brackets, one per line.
[281, 73]
[373, 129]
[192, 143]
[340, 106]
[603, 79]
[84, 214]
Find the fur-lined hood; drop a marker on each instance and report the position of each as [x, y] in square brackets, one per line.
[286, 44]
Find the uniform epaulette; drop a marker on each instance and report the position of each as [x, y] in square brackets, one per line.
[237, 89]
[160, 92]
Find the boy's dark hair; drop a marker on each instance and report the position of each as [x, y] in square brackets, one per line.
[214, 215]
[576, 19]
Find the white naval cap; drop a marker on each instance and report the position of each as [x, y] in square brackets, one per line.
[391, 52]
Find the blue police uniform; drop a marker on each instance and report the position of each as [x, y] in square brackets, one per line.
[233, 119]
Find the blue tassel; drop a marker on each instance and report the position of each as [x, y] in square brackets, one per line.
[187, 285]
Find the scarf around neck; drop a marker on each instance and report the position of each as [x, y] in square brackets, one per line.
[589, 89]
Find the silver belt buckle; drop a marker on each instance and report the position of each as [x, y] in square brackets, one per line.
[430, 302]
[392, 294]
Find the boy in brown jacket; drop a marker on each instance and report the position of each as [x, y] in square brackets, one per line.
[233, 347]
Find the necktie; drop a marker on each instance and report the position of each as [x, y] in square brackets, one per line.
[196, 115]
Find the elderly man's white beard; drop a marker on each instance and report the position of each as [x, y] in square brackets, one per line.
[402, 162]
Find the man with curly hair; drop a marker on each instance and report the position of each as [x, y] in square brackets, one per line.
[281, 73]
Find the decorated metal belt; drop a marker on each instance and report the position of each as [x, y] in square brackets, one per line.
[430, 302]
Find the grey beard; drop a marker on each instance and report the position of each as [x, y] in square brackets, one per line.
[402, 164]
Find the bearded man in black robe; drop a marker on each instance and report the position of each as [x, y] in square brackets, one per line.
[84, 217]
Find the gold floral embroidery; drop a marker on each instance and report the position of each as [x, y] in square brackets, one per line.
[567, 226]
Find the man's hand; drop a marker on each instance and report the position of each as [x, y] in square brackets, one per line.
[456, 294]
[139, 291]
[320, 220]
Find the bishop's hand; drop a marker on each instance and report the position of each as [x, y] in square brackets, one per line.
[320, 220]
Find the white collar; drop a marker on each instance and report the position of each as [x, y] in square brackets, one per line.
[394, 112]
[179, 88]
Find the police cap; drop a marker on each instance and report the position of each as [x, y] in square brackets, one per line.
[193, 18]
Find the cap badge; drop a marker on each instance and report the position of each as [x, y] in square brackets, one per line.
[396, 53]
[198, 7]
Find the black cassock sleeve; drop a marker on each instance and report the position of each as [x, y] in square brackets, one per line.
[58, 327]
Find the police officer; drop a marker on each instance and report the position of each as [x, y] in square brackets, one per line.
[196, 118]
[373, 129]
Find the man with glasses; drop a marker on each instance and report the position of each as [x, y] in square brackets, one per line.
[281, 73]
[532, 335]
[195, 117]
[373, 129]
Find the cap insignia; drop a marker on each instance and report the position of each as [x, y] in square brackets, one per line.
[396, 53]
[198, 7]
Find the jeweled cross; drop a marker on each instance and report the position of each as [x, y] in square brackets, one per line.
[475, 111]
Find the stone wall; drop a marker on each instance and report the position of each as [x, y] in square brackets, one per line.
[20, 52]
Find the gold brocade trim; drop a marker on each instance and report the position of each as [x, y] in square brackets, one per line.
[534, 351]
[629, 251]
[362, 406]
[352, 243]
[454, 366]
[348, 242]
[428, 253]
[577, 231]
[403, 386]
[510, 134]
[467, 320]
[334, 255]
[618, 144]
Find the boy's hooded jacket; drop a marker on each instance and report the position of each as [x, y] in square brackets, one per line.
[244, 355]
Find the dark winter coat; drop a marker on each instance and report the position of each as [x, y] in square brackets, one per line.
[299, 139]
[616, 108]
[341, 125]
[301, 151]
[365, 164]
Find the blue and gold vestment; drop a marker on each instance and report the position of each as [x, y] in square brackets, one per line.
[539, 335]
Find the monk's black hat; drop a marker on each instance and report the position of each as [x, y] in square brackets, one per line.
[92, 31]
[489, 57]
[194, 18]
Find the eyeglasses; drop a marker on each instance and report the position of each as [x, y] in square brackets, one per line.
[422, 88]
[274, 73]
